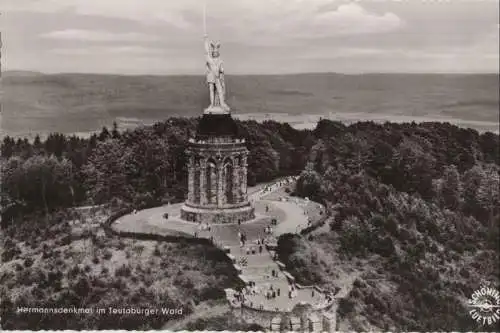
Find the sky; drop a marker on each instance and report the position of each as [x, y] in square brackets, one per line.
[257, 36]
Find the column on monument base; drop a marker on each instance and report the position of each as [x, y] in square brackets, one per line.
[245, 189]
[203, 183]
[212, 189]
[220, 184]
[244, 179]
[191, 171]
[241, 193]
[236, 181]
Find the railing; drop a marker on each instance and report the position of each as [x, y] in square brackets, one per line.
[217, 140]
[317, 224]
[225, 142]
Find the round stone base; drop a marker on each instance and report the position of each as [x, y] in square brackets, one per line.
[217, 215]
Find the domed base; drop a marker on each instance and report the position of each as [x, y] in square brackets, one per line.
[216, 124]
[217, 215]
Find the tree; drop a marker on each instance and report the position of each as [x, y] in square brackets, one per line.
[309, 183]
[39, 182]
[130, 167]
[37, 144]
[8, 147]
[104, 135]
[412, 169]
[115, 134]
[471, 181]
[450, 188]
[104, 172]
[488, 192]
[263, 164]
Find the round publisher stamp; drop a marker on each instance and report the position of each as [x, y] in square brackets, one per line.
[484, 305]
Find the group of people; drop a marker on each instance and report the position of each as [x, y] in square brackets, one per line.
[253, 250]
[273, 293]
[243, 238]
[271, 187]
[269, 293]
[274, 274]
[325, 301]
[203, 227]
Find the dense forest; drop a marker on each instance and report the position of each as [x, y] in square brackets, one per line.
[414, 208]
[417, 203]
[52, 254]
[142, 166]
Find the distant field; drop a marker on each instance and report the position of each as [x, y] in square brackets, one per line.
[83, 103]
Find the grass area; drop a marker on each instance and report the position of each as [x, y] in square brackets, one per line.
[221, 323]
[211, 316]
[91, 271]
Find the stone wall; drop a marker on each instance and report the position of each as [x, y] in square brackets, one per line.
[211, 215]
[308, 319]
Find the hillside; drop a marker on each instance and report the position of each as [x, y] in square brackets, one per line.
[83, 103]
[68, 262]
[20, 73]
[414, 211]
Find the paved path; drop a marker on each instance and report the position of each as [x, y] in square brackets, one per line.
[292, 216]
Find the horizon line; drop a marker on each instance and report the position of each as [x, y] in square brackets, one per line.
[253, 74]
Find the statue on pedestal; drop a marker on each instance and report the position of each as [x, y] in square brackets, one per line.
[215, 78]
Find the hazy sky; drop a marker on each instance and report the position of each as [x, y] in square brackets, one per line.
[257, 36]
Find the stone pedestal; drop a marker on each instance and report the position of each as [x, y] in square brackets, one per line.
[216, 109]
[217, 173]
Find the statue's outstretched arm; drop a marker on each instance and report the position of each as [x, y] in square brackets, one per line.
[207, 45]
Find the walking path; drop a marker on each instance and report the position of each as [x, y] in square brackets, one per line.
[292, 215]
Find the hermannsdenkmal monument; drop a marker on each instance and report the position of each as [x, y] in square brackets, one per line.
[217, 157]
